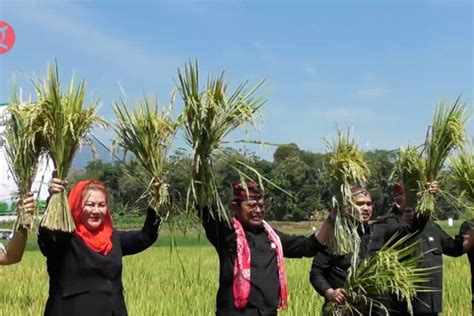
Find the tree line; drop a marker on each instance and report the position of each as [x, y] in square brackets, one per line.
[302, 174]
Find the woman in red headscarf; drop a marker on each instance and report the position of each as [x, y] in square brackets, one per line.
[85, 267]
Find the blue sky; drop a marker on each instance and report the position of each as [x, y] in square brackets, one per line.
[376, 66]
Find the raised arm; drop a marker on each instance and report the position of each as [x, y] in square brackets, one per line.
[325, 232]
[467, 232]
[51, 241]
[16, 246]
[135, 241]
[217, 229]
[299, 246]
[452, 247]
[387, 227]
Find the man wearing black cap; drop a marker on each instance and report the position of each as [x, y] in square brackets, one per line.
[252, 278]
[434, 242]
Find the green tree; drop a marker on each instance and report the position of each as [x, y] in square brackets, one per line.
[285, 151]
[13, 207]
[381, 164]
[290, 174]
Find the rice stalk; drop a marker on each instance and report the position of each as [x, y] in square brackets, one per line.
[148, 133]
[23, 149]
[66, 125]
[447, 133]
[209, 115]
[410, 170]
[346, 168]
[462, 170]
[393, 269]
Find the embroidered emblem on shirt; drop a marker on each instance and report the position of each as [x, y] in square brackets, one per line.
[430, 238]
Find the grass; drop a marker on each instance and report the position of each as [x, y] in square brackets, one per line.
[156, 283]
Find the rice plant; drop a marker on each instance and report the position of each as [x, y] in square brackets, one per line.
[23, 149]
[346, 169]
[209, 115]
[418, 169]
[447, 132]
[462, 169]
[410, 170]
[66, 125]
[148, 133]
[393, 269]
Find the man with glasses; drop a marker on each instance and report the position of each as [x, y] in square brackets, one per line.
[252, 278]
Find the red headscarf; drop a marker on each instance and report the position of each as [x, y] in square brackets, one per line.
[99, 241]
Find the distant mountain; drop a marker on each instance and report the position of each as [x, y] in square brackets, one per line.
[85, 154]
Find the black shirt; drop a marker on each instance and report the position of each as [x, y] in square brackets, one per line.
[84, 282]
[470, 255]
[330, 271]
[264, 294]
[434, 242]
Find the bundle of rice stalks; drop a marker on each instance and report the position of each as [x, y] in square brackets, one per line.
[66, 124]
[346, 169]
[447, 132]
[393, 269]
[23, 149]
[462, 167]
[148, 133]
[209, 115]
[410, 170]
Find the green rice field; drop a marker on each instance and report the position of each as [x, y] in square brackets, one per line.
[183, 281]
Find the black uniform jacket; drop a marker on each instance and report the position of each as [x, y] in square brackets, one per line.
[330, 271]
[264, 283]
[84, 282]
[470, 254]
[391, 224]
[434, 242]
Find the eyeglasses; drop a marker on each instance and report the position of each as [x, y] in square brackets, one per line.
[252, 205]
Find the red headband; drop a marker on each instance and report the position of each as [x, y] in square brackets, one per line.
[252, 190]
